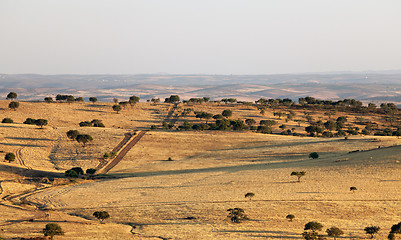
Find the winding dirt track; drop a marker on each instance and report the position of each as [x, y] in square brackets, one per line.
[122, 153]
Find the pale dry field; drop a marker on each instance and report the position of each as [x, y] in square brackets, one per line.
[151, 198]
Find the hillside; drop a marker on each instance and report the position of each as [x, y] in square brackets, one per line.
[149, 196]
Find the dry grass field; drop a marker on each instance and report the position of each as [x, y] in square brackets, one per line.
[149, 197]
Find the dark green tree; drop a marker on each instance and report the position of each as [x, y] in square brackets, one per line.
[372, 230]
[117, 108]
[93, 99]
[353, 189]
[7, 120]
[298, 175]
[52, 229]
[249, 195]
[227, 113]
[334, 232]
[72, 134]
[90, 171]
[84, 138]
[101, 215]
[41, 122]
[71, 174]
[290, 217]
[12, 95]
[13, 105]
[313, 155]
[48, 99]
[236, 215]
[10, 157]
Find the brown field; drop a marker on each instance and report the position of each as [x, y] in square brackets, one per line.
[149, 197]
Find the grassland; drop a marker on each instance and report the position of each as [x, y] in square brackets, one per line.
[149, 197]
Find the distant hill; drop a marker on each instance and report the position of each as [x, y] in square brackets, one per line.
[375, 87]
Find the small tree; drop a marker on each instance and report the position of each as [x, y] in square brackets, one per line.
[311, 231]
[90, 171]
[71, 173]
[372, 230]
[12, 95]
[7, 120]
[227, 113]
[93, 99]
[101, 215]
[334, 232]
[353, 189]
[10, 157]
[78, 170]
[72, 134]
[41, 122]
[298, 174]
[48, 99]
[13, 105]
[290, 217]
[236, 215]
[52, 229]
[117, 108]
[84, 138]
[249, 195]
[313, 155]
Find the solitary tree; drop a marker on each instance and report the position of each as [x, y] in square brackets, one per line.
[12, 95]
[117, 108]
[48, 99]
[227, 113]
[133, 100]
[353, 189]
[236, 215]
[313, 155]
[93, 99]
[249, 195]
[334, 232]
[72, 134]
[290, 217]
[13, 105]
[101, 215]
[372, 230]
[41, 122]
[298, 174]
[52, 229]
[311, 230]
[84, 138]
[10, 157]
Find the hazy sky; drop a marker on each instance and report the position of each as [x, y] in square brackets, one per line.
[203, 36]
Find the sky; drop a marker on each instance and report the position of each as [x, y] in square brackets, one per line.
[199, 37]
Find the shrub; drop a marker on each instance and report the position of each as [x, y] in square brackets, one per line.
[236, 215]
[101, 215]
[7, 120]
[10, 157]
[29, 121]
[72, 134]
[52, 229]
[90, 171]
[13, 105]
[314, 155]
[372, 230]
[249, 195]
[334, 232]
[71, 173]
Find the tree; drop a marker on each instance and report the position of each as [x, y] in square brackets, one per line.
[12, 95]
[249, 195]
[41, 122]
[13, 105]
[250, 121]
[79, 99]
[72, 134]
[7, 120]
[84, 138]
[172, 99]
[117, 108]
[101, 215]
[133, 100]
[52, 229]
[290, 217]
[334, 232]
[227, 113]
[48, 99]
[314, 155]
[78, 170]
[372, 230]
[93, 99]
[90, 171]
[236, 215]
[298, 174]
[313, 226]
[353, 189]
[10, 157]
[71, 173]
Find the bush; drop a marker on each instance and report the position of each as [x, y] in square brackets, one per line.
[101, 215]
[7, 120]
[29, 121]
[71, 173]
[90, 171]
[314, 155]
[264, 129]
[85, 124]
[52, 229]
[236, 215]
[10, 157]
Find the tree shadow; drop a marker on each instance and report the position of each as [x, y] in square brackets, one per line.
[30, 139]
[89, 110]
[21, 145]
